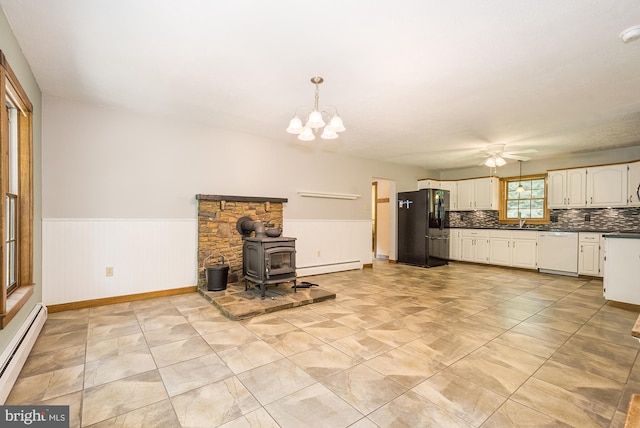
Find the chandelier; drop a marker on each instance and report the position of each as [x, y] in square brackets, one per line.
[316, 120]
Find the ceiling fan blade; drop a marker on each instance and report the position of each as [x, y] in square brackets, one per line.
[516, 157]
[517, 152]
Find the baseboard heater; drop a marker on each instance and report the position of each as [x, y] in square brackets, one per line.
[328, 268]
[15, 354]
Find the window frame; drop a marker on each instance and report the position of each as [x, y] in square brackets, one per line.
[12, 301]
[504, 183]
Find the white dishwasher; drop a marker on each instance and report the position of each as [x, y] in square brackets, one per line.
[558, 253]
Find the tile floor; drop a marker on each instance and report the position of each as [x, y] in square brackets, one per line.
[461, 345]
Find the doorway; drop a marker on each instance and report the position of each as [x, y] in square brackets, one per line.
[381, 192]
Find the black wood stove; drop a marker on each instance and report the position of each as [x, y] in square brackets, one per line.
[266, 260]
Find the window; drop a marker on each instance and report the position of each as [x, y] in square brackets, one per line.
[16, 203]
[529, 204]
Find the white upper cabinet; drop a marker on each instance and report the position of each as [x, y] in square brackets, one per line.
[428, 184]
[452, 187]
[487, 193]
[567, 188]
[633, 184]
[607, 186]
[478, 194]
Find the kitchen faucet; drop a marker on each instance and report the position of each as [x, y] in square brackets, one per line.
[521, 221]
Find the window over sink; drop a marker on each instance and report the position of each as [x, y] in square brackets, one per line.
[530, 204]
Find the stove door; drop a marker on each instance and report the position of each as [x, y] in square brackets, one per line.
[279, 261]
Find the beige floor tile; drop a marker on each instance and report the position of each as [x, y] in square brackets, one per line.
[275, 380]
[116, 346]
[264, 327]
[45, 386]
[259, 418]
[328, 331]
[460, 397]
[121, 366]
[404, 368]
[54, 342]
[412, 410]
[73, 400]
[361, 346]
[364, 388]
[122, 396]
[323, 361]
[182, 350]
[249, 356]
[512, 414]
[527, 343]
[214, 404]
[160, 414]
[445, 349]
[231, 338]
[53, 360]
[173, 333]
[100, 332]
[314, 406]
[192, 374]
[292, 342]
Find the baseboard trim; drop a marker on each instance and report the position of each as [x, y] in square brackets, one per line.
[119, 299]
[367, 266]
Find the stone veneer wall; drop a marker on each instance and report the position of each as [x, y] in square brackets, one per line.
[217, 233]
[600, 219]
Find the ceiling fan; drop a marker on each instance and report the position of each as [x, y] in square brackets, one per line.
[495, 155]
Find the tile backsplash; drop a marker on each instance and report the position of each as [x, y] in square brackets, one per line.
[599, 219]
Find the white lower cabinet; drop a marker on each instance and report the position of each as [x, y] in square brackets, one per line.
[500, 247]
[475, 245]
[589, 254]
[524, 249]
[517, 248]
[455, 242]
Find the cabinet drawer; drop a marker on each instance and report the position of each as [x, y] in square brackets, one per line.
[524, 234]
[497, 233]
[589, 237]
[475, 233]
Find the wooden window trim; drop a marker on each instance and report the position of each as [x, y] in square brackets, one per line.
[502, 215]
[10, 305]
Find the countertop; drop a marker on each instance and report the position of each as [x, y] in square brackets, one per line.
[551, 229]
[623, 235]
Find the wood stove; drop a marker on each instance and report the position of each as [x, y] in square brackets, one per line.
[266, 260]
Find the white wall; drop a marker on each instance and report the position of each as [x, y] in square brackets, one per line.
[126, 169]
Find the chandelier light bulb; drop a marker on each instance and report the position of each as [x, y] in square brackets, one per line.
[306, 134]
[315, 120]
[335, 124]
[328, 134]
[295, 126]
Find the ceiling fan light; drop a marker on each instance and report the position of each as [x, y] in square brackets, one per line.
[306, 134]
[295, 126]
[490, 162]
[335, 124]
[315, 120]
[499, 161]
[630, 34]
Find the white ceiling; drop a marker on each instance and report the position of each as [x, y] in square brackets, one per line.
[419, 82]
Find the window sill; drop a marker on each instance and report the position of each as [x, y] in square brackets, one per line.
[15, 302]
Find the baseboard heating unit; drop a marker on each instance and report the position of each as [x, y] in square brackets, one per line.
[17, 351]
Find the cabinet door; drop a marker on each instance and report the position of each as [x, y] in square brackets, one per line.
[576, 187]
[556, 182]
[633, 184]
[466, 190]
[607, 186]
[452, 187]
[467, 249]
[454, 245]
[481, 250]
[500, 251]
[523, 253]
[589, 258]
[486, 194]
[428, 184]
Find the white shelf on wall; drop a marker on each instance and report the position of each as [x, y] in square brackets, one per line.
[328, 195]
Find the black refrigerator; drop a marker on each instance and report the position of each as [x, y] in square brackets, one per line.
[423, 236]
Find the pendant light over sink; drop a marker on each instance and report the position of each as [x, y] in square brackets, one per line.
[520, 187]
[316, 120]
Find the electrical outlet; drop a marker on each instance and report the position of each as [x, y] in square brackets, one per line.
[587, 217]
[109, 270]
[318, 253]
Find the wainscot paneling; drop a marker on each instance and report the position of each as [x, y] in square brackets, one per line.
[324, 246]
[145, 254]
